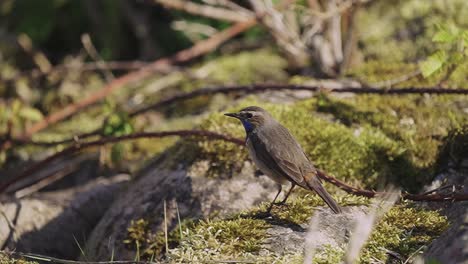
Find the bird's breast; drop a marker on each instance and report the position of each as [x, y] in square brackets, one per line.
[262, 166]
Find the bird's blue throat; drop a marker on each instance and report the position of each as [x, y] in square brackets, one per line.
[247, 126]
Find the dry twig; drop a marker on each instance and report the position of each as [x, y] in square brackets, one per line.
[414, 197]
[250, 89]
[80, 146]
[207, 10]
[260, 88]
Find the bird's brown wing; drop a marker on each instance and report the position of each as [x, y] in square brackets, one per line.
[278, 150]
[281, 157]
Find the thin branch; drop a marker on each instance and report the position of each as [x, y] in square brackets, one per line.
[228, 4]
[215, 136]
[340, 8]
[94, 54]
[260, 88]
[12, 232]
[248, 89]
[103, 141]
[450, 186]
[414, 197]
[206, 10]
[390, 83]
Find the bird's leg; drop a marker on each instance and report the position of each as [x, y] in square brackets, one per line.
[287, 195]
[273, 202]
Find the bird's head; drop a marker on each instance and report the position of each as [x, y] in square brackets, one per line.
[251, 117]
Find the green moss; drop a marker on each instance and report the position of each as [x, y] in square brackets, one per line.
[409, 121]
[300, 207]
[455, 148]
[403, 230]
[382, 71]
[403, 30]
[243, 68]
[5, 258]
[220, 239]
[329, 255]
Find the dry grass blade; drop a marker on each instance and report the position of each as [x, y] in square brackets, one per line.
[207, 10]
[165, 228]
[310, 237]
[366, 223]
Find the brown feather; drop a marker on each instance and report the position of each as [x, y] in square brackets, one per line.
[314, 184]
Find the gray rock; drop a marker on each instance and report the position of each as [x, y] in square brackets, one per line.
[48, 222]
[452, 245]
[328, 229]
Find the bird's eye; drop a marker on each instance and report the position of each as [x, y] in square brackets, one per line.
[248, 115]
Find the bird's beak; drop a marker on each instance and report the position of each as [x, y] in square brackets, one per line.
[235, 115]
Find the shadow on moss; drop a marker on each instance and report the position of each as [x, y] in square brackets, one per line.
[454, 151]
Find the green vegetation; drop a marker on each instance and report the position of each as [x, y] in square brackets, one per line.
[404, 229]
[6, 259]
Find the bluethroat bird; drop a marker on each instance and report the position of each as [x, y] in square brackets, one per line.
[278, 155]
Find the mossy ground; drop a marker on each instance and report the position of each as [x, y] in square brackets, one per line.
[405, 229]
[6, 259]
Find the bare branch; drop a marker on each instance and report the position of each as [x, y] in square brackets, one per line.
[103, 141]
[414, 197]
[390, 83]
[260, 88]
[206, 10]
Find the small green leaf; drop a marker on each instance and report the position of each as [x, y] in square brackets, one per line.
[433, 63]
[118, 124]
[447, 34]
[444, 36]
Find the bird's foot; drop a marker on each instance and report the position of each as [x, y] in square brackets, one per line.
[262, 215]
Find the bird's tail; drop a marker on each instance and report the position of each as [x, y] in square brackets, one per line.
[313, 182]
